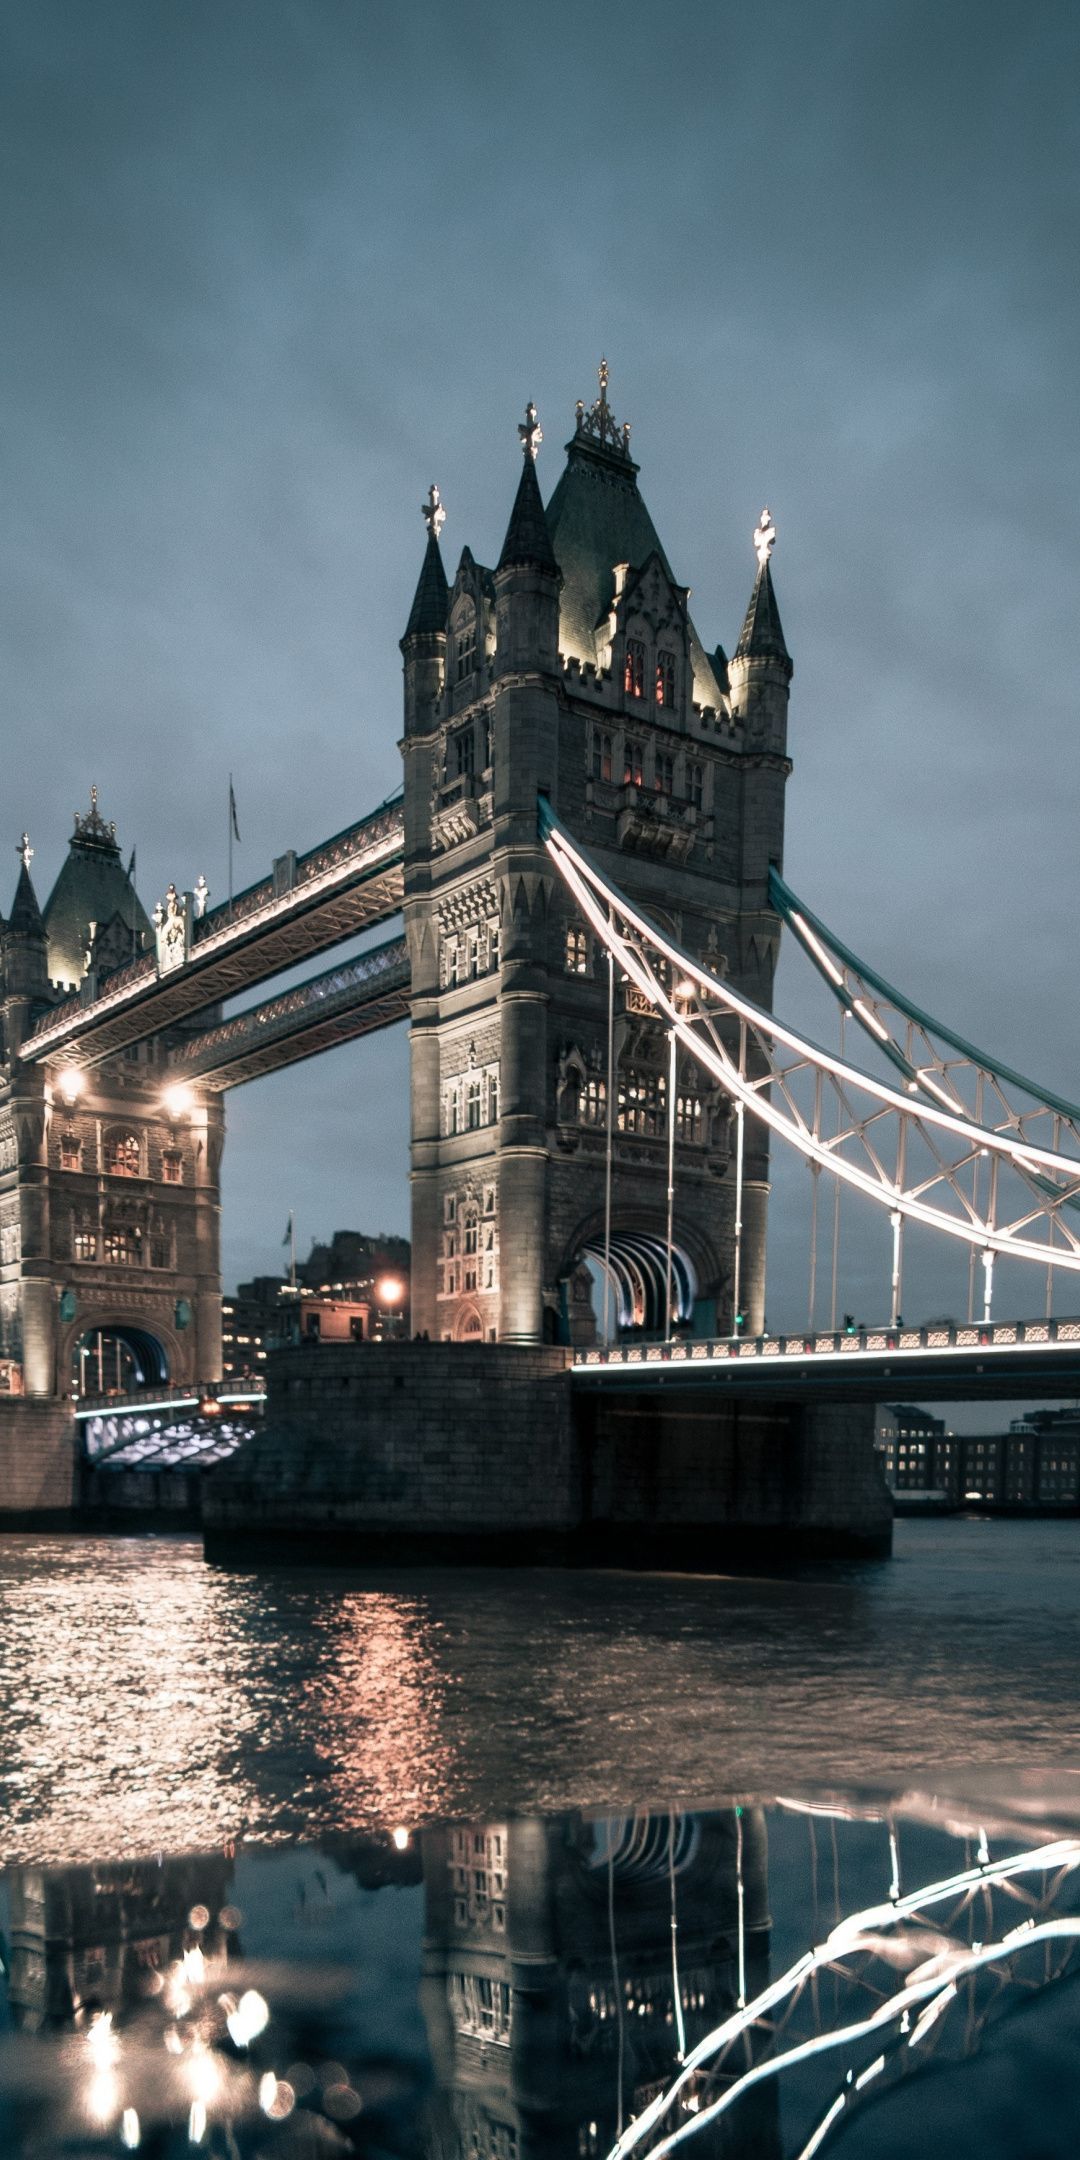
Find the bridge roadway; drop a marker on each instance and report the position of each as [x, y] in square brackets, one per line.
[998, 1361]
[307, 904]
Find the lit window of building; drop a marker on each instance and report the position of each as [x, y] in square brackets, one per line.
[70, 1151]
[633, 765]
[641, 1103]
[122, 1154]
[172, 1167]
[665, 678]
[634, 670]
[577, 952]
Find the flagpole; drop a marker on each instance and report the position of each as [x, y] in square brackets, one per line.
[292, 1246]
[230, 817]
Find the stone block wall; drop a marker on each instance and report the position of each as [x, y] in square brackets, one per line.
[37, 1461]
[407, 1450]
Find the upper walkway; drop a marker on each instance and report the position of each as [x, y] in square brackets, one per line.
[307, 904]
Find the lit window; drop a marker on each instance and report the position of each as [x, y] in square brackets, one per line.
[689, 1119]
[172, 1167]
[665, 773]
[665, 678]
[83, 1242]
[633, 765]
[472, 1106]
[577, 952]
[641, 1103]
[122, 1154]
[592, 1103]
[601, 756]
[634, 671]
[465, 649]
[70, 1152]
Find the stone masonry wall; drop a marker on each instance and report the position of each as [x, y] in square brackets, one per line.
[452, 1451]
[407, 1449]
[37, 1459]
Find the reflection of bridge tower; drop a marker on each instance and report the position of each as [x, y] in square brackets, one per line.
[549, 1988]
[574, 669]
[108, 1186]
[93, 1938]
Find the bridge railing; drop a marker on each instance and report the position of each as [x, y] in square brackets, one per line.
[836, 1343]
[230, 1394]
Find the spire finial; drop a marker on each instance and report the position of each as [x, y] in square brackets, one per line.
[764, 537]
[599, 421]
[433, 513]
[25, 852]
[530, 431]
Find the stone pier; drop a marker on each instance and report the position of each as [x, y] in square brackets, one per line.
[37, 1464]
[446, 1452]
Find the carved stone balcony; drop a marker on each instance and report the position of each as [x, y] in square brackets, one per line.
[462, 808]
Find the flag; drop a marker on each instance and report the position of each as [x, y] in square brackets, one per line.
[232, 809]
[131, 869]
[287, 1239]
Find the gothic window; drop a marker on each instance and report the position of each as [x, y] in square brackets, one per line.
[493, 1098]
[634, 671]
[665, 773]
[473, 1109]
[633, 765]
[641, 1103]
[473, 952]
[472, 1251]
[161, 1243]
[493, 945]
[695, 785]
[122, 1156]
[462, 747]
[576, 959]
[665, 678]
[172, 1166]
[592, 1103]
[465, 649]
[481, 2006]
[689, 1118]
[489, 1242]
[601, 755]
[70, 1151]
[449, 1207]
[489, 1199]
[123, 1245]
[84, 1244]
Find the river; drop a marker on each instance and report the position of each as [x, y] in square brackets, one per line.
[440, 1826]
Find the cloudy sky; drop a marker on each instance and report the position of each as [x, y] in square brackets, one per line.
[273, 265]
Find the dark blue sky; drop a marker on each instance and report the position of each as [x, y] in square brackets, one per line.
[270, 268]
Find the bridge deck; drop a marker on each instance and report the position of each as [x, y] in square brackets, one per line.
[1039, 1358]
[346, 1002]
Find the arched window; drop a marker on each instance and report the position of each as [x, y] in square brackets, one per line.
[689, 1119]
[592, 1103]
[601, 755]
[634, 670]
[472, 1252]
[465, 646]
[123, 1156]
[642, 1097]
[665, 678]
[84, 1236]
[633, 764]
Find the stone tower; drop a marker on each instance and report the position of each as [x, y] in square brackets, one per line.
[573, 669]
[109, 1215]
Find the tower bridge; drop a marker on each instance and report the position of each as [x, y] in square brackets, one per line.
[597, 1075]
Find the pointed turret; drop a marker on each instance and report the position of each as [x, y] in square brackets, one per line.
[424, 642]
[429, 606]
[25, 919]
[527, 577]
[527, 537]
[761, 667]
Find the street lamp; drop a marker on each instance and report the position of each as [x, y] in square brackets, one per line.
[389, 1294]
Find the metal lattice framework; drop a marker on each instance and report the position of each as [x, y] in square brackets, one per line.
[1001, 1177]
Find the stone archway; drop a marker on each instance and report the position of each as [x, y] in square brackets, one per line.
[116, 1357]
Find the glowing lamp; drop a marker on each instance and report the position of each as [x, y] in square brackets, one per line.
[178, 1101]
[390, 1290]
[401, 1839]
[72, 1083]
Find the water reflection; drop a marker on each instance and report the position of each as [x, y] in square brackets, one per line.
[731, 1981]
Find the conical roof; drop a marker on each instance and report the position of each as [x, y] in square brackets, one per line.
[527, 537]
[762, 635]
[597, 518]
[92, 888]
[432, 593]
[25, 918]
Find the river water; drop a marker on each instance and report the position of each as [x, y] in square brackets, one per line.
[496, 1852]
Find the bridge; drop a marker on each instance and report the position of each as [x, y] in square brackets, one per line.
[586, 856]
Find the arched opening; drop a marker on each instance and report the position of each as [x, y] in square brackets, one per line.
[116, 1358]
[632, 1282]
[470, 1327]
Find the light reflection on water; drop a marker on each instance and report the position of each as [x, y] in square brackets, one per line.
[148, 1701]
[562, 1985]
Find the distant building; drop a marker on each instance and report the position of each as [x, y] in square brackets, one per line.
[1036, 1464]
[356, 1289]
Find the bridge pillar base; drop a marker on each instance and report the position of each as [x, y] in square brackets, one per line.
[37, 1463]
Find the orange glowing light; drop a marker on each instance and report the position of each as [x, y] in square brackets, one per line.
[390, 1290]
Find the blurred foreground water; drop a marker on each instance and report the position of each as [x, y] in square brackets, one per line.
[490, 1866]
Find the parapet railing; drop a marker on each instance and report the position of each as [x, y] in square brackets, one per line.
[837, 1343]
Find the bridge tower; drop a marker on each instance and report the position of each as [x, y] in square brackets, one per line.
[573, 668]
[109, 1216]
